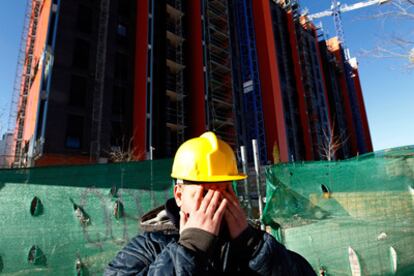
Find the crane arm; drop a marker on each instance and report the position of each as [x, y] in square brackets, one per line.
[346, 8]
[320, 14]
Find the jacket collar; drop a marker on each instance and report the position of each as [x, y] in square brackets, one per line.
[165, 218]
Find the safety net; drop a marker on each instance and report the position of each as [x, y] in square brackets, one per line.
[353, 217]
[347, 217]
[72, 220]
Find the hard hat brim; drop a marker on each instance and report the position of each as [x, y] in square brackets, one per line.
[213, 178]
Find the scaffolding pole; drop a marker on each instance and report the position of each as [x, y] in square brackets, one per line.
[175, 74]
[219, 92]
[98, 95]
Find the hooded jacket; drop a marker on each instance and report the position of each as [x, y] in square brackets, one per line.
[161, 250]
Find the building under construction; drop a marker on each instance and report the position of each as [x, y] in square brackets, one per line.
[109, 78]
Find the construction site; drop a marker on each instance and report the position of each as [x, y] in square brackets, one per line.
[106, 91]
[137, 78]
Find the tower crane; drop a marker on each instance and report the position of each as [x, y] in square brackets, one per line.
[336, 9]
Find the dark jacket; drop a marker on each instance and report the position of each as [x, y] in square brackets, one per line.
[162, 251]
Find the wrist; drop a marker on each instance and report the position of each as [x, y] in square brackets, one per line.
[247, 242]
[198, 241]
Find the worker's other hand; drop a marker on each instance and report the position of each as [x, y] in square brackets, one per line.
[207, 213]
[234, 214]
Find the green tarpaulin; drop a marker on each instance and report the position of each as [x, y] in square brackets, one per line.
[73, 220]
[348, 217]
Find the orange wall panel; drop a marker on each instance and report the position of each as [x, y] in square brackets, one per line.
[38, 50]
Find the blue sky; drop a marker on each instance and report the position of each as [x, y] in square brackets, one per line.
[387, 86]
[11, 26]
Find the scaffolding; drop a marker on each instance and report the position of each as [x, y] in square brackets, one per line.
[175, 115]
[251, 96]
[217, 61]
[23, 81]
[289, 86]
[98, 93]
[312, 82]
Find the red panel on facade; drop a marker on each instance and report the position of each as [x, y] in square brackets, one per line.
[325, 89]
[304, 119]
[347, 106]
[362, 111]
[196, 93]
[63, 159]
[269, 78]
[140, 83]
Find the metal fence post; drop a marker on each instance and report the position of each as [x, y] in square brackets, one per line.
[257, 170]
[246, 197]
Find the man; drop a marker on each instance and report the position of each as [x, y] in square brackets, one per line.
[203, 230]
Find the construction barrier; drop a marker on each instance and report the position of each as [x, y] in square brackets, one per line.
[73, 220]
[353, 217]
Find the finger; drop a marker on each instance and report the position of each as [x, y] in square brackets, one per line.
[199, 197]
[214, 203]
[218, 215]
[231, 213]
[206, 201]
[232, 199]
[234, 207]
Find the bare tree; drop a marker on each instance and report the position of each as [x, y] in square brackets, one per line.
[125, 153]
[331, 143]
[395, 45]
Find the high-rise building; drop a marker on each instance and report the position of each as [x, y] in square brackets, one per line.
[77, 83]
[140, 77]
[5, 151]
[297, 112]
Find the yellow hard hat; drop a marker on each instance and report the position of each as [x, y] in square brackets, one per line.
[205, 159]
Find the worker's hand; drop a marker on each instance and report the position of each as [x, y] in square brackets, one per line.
[207, 213]
[234, 215]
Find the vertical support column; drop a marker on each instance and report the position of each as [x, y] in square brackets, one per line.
[196, 93]
[269, 78]
[318, 52]
[258, 180]
[140, 86]
[362, 110]
[304, 118]
[335, 47]
[246, 197]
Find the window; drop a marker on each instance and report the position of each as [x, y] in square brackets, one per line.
[117, 138]
[74, 132]
[81, 54]
[78, 90]
[124, 7]
[121, 66]
[84, 19]
[118, 100]
[121, 30]
[121, 34]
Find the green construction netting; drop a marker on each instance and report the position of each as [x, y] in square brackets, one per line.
[347, 217]
[72, 220]
[342, 216]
